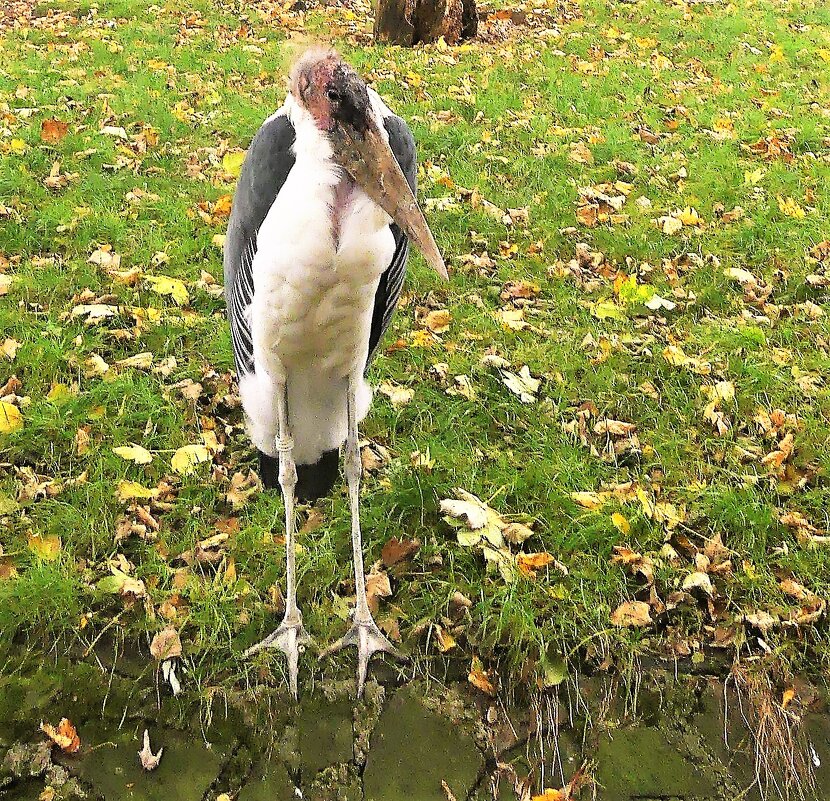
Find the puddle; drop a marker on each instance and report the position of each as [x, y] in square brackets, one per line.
[421, 742]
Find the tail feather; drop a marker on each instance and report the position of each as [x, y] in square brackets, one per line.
[313, 480]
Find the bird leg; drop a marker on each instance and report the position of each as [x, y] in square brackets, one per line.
[364, 632]
[290, 637]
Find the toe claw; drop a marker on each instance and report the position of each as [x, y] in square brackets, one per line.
[368, 639]
[290, 638]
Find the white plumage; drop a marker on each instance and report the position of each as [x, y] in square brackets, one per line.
[313, 295]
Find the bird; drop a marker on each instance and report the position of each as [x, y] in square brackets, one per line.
[315, 258]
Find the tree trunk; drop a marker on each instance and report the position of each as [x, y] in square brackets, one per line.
[408, 22]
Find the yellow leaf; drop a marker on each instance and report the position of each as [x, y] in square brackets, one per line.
[790, 207]
[689, 216]
[46, 548]
[550, 795]
[753, 177]
[58, 393]
[590, 500]
[165, 285]
[232, 162]
[134, 453]
[824, 55]
[621, 523]
[18, 147]
[187, 458]
[444, 640]
[132, 490]
[10, 418]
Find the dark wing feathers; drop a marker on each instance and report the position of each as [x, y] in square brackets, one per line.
[267, 164]
[391, 282]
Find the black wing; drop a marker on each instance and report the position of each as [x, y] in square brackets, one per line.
[391, 282]
[267, 164]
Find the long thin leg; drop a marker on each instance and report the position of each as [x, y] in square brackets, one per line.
[364, 632]
[290, 638]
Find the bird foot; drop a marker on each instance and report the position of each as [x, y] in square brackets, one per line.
[368, 639]
[292, 639]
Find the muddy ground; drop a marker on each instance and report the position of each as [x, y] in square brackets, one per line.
[422, 741]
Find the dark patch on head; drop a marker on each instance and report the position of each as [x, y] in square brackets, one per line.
[348, 99]
[331, 91]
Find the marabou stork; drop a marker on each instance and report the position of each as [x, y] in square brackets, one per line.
[315, 257]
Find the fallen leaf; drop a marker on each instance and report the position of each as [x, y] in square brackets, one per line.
[9, 348]
[529, 563]
[621, 523]
[631, 614]
[133, 491]
[187, 458]
[232, 162]
[522, 384]
[166, 644]
[104, 256]
[65, 736]
[398, 396]
[480, 679]
[45, 546]
[11, 419]
[437, 321]
[134, 453]
[377, 587]
[444, 640]
[242, 487]
[164, 285]
[615, 428]
[699, 581]
[52, 131]
[396, 550]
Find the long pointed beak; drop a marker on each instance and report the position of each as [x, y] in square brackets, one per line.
[371, 162]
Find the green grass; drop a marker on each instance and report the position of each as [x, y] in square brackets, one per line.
[203, 90]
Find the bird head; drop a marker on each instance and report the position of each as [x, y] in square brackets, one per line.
[338, 100]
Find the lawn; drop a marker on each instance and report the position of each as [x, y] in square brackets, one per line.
[628, 367]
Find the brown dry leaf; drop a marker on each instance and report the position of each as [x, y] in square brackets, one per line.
[396, 550]
[166, 644]
[616, 428]
[580, 153]
[242, 488]
[82, 440]
[64, 736]
[529, 563]
[631, 614]
[634, 562]
[699, 581]
[516, 533]
[52, 131]
[437, 321]
[480, 678]
[377, 587]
